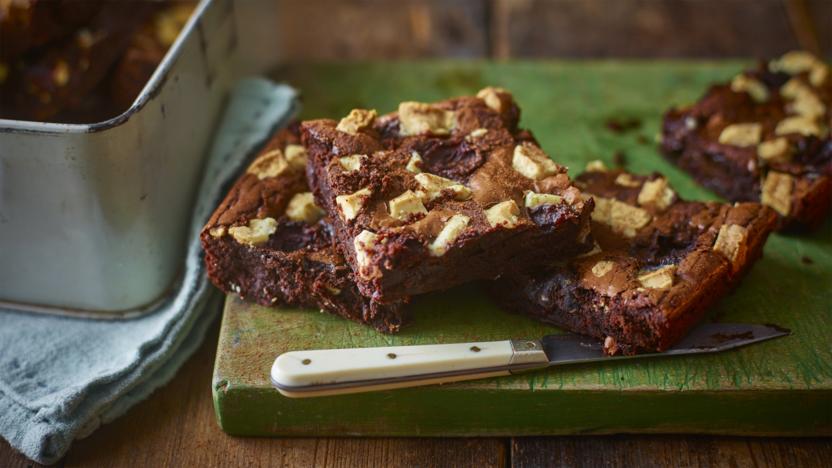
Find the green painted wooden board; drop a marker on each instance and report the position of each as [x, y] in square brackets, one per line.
[778, 387]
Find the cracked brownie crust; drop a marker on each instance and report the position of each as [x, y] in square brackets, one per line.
[762, 137]
[439, 194]
[659, 263]
[269, 243]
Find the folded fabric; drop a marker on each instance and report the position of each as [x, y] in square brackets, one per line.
[60, 378]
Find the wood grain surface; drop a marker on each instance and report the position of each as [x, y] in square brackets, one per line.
[379, 29]
[655, 28]
[176, 426]
[680, 451]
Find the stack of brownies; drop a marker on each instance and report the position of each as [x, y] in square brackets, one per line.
[356, 216]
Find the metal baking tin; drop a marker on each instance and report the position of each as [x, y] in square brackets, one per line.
[93, 218]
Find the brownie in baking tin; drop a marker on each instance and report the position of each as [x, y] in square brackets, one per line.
[40, 85]
[762, 137]
[146, 50]
[269, 243]
[659, 263]
[26, 25]
[439, 194]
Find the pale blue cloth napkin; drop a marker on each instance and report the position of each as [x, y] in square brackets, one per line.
[60, 378]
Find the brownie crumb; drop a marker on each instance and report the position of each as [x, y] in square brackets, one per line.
[622, 125]
[642, 140]
[619, 158]
[807, 260]
[778, 328]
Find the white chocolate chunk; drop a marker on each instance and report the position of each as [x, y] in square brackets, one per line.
[793, 62]
[433, 186]
[776, 150]
[350, 205]
[217, 232]
[745, 84]
[619, 216]
[406, 205]
[730, 240]
[808, 104]
[417, 118]
[602, 268]
[413, 165]
[777, 192]
[491, 96]
[364, 243]
[818, 75]
[800, 124]
[270, 164]
[357, 120]
[532, 162]
[503, 214]
[478, 133]
[295, 156]
[596, 166]
[302, 207]
[533, 199]
[657, 193]
[453, 229]
[792, 88]
[804, 100]
[661, 278]
[626, 180]
[742, 134]
[257, 231]
[350, 163]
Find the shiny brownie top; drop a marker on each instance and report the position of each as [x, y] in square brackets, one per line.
[439, 175]
[652, 246]
[270, 204]
[772, 122]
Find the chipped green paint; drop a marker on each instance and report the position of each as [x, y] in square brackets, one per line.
[778, 387]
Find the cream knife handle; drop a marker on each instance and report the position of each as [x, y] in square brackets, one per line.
[340, 371]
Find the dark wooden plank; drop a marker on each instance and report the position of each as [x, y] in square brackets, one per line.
[11, 458]
[650, 28]
[176, 427]
[381, 29]
[679, 451]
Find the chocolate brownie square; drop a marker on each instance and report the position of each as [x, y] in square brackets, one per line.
[762, 137]
[269, 243]
[439, 194]
[658, 265]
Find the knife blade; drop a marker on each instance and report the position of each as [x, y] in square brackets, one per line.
[323, 372]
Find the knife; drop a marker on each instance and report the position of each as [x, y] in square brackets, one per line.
[300, 374]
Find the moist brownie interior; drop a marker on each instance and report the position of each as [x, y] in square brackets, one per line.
[659, 263]
[269, 243]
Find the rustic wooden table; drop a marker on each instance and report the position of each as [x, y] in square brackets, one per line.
[176, 427]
